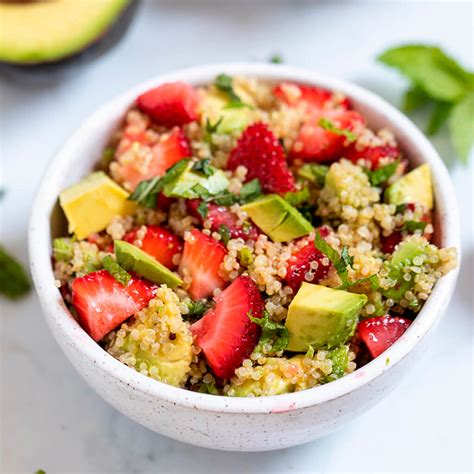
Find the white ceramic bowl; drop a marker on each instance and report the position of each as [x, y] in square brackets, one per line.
[246, 424]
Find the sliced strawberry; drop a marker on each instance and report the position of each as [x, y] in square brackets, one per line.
[315, 143]
[389, 243]
[221, 215]
[263, 156]
[372, 155]
[225, 334]
[299, 266]
[102, 303]
[202, 257]
[293, 94]
[166, 153]
[159, 243]
[170, 104]
[378, 334]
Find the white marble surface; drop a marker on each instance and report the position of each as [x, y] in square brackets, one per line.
[51, 419]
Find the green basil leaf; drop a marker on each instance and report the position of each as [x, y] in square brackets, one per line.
[224, 232]
[412, 226]
[415, 97]
[203, 210]
[461, 126]
[204, 167]
[331, 127]
[346, 258]
[438, 117]
[382, 174]
[273, 332]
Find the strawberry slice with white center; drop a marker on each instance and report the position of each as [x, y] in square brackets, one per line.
[170, 104]
[102, 303]
[378, 334]
[158, 242]
[225, 333]
[168, 151]
[201, 260]
[316, 143]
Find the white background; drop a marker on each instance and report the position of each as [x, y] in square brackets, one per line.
[51, 419]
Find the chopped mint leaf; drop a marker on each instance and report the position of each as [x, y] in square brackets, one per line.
[276, 59]
[346, 258]
[250, 191]
[314, 173]
[245, 256]
[331, 127]
[146, 193]
[225, 198]
[14, 281]
[461, 126]
[372, 279]
[382, 174]
[412, 226]
[204, 167]
[272, 332]
[211, 128]
[400, 209]
[197, 308]
[224, 83]
[224, 232]
[63, 249]
[297, 198]
[339, 358]
[201, 191]
[203, 210]
[119, 273]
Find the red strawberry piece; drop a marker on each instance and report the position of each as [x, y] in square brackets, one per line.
[293, 94]
[378, 334]
[315, 143]
[159, 243]
[299, 266]
[102, 303]
[170, 104]
[389, 243]
[263, 156]
[372, 155]
[202, 257]
[221, 215]
[166, 153]
[163, 202]
[226, 334]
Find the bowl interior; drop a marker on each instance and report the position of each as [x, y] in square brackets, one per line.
[83, 151]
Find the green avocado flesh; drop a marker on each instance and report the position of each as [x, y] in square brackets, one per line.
[215, 108]
[414, 187]
[46, 31]
[136, 260]
[279, 220]
[322, 317]
[186, 184]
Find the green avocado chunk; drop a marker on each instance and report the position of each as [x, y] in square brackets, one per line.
[403, 257]
[39, 32]
[215, 109]
[322, 317]
[193, 184]
[134, 259]
[277, 218]
[416, 186]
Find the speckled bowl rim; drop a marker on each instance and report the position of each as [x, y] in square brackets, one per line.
[58, 315]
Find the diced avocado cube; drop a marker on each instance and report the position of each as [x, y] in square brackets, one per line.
[134, 259]
[190, 184]
[215, 106]
[277, 218]
[91, 204]
[322, 317]
[416, 186]
[401, 258]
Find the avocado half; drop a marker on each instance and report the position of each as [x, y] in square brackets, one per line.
[37, 32]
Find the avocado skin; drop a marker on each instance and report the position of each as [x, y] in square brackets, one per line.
[134, 259]
[45, 73]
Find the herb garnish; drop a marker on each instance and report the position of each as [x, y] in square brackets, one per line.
[224, 232]
[297, 198]
[14, 281]
[224, 83]
[63, 249]
[197, 308]
[412, 226]
[273, 332]
[119, 273]
[331, 127]
[314, 173]
[203, 210]
[341, 262]
[382, 174]
[437, 80]
[204, 167]
[249, 192]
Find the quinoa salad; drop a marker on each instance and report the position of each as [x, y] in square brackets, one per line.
[248, 238]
